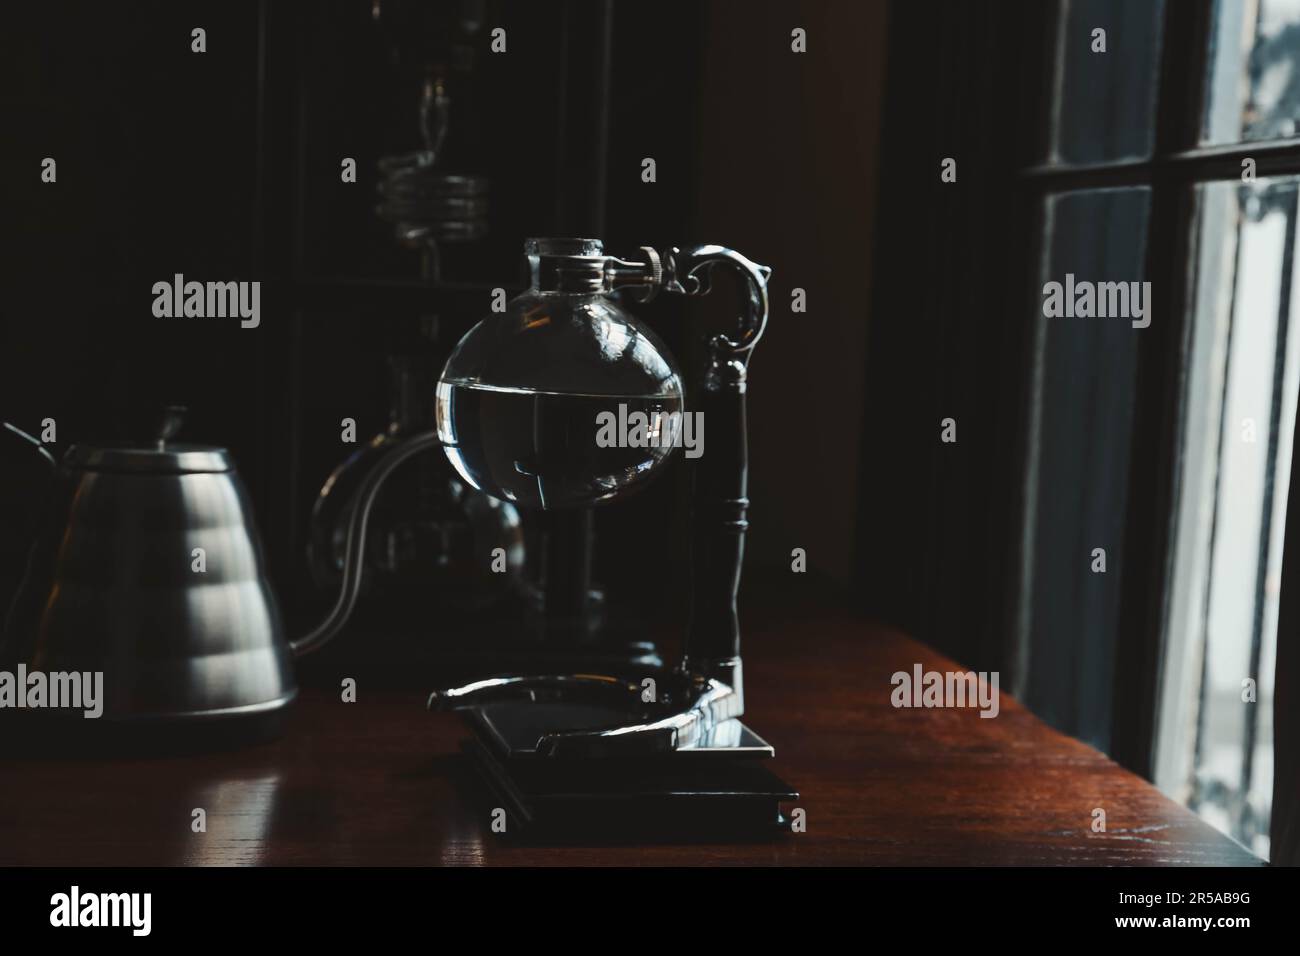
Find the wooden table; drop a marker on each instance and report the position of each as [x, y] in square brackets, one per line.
[380, 781]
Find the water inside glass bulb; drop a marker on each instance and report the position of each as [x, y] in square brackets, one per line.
[564, 399]
[549, 450]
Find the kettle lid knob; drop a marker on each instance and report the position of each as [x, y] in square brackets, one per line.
[170, 420]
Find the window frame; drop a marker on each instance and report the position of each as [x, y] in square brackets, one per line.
[1176, 165]
[939, 548]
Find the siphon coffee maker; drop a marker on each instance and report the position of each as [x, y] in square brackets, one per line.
[565, 400]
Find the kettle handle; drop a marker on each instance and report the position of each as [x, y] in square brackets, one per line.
[354, 549]
[6, 594]
[34, 442]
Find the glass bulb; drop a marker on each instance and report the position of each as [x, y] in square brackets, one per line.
[563, 400]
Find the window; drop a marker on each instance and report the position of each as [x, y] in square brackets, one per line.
[1215, 745]
[1082, 394]
[1169, 158]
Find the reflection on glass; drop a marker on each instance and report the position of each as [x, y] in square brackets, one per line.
[1214, 745]
[1081, 413]
[1104, 103]
[1253, 87]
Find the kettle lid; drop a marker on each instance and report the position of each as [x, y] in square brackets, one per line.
[160, 456]
[157, 458]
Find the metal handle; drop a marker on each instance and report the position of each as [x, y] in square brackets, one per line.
[720, 505]
[35, 442]
[721, 480]
[6, 594]
[689, 272]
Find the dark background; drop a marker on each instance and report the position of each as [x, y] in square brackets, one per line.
[225, 165]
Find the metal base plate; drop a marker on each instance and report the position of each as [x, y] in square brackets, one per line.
[512, 730]
[718, 792]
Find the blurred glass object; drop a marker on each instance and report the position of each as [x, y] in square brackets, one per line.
[1214, 736]
[1103, 102]
[1253, 81]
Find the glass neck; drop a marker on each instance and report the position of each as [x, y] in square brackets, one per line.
[566, 265]
[582, 275]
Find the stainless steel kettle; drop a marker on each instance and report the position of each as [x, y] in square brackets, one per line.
[148, 568]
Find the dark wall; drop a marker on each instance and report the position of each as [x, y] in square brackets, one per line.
[225, 165]
[788, 169]
[950, 326]
[156, 152]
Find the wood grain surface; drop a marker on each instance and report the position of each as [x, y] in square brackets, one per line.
[382, 782]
